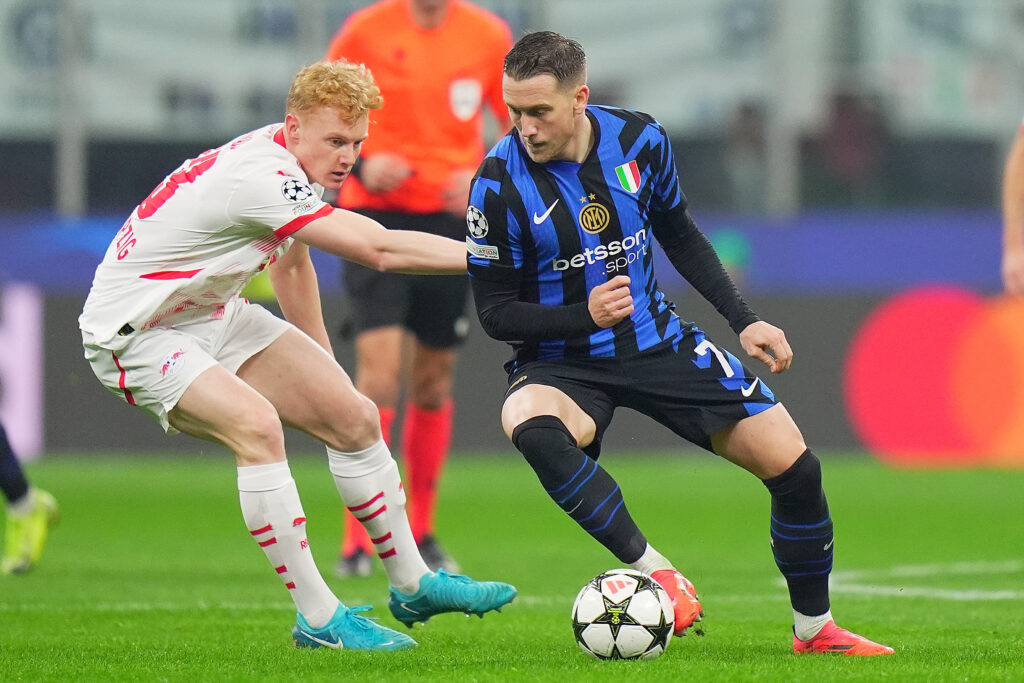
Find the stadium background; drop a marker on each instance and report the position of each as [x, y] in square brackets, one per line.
[843, 155]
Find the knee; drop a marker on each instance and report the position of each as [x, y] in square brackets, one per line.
[542, 437]
[801, 482]
[383, 388]
[259, 437]
[430, 390]
[359, 429]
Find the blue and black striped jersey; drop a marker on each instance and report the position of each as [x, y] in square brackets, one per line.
[554, 231]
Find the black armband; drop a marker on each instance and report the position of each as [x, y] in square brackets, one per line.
[507, 319]
[691, 253]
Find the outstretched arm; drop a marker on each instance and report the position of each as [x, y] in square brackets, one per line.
[1013, 218]
[368, 243]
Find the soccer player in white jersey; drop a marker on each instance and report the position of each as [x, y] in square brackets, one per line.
[164, 328]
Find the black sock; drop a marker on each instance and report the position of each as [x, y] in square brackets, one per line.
[579, 486]
[12, 479]
[801, 533]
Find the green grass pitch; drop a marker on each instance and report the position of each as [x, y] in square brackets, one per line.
[150, 576]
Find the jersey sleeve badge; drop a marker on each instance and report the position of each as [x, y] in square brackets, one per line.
[294, 190]
[476, 222]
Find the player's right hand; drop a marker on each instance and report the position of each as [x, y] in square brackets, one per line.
[610, 301]
[384, 172]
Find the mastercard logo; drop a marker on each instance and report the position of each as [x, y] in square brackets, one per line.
[935, 376]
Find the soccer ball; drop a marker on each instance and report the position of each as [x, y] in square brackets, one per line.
[623, 614]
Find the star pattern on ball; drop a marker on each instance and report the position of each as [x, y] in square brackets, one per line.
[616, 617]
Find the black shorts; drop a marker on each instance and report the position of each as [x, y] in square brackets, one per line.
[432, 307]
[695, 389]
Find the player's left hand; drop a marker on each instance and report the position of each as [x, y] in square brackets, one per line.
[767, 344]
[456, 194]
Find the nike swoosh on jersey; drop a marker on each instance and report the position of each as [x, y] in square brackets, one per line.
[747, 391]
[537, 220]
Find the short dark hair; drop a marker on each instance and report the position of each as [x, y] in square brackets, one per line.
[547, 52]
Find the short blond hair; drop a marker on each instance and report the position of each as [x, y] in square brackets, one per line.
[345, 87]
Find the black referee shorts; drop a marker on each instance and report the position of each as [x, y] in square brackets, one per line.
[432, 307]
[694, 389]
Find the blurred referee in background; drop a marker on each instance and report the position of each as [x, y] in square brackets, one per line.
[437, 63]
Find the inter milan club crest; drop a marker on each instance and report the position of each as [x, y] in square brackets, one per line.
[593, 217]
[295, 190]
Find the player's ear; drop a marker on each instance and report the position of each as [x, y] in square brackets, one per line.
[581, 99]
[291, 127]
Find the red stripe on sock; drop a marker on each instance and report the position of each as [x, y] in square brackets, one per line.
[381, 539]
[264, 530]
[298, 521]
[290, 585]
[270, 541]
[281, 570]
[387, 553]
[367, 503]
[381, 509]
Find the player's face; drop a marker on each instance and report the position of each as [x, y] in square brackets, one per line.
[548, 117]
[325, 144]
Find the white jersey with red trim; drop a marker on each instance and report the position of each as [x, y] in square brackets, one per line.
[202, 234]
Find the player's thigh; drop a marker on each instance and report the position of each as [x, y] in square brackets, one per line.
[379, 363]
[218, 406]
[431, 373]
[311, 392]
[534, 400]
[765, 444]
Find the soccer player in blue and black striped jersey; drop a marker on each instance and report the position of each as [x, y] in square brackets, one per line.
[560, 229]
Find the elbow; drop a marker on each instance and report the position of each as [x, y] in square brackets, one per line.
[379, 260]
[494, 327]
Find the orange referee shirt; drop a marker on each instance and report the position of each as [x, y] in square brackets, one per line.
[435, 83]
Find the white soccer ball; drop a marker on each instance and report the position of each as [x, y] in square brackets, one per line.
[623, 614]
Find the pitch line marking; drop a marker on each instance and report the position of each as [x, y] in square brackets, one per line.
[846, 582]
[855, 581]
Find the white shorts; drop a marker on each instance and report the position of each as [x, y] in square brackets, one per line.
[152, 369]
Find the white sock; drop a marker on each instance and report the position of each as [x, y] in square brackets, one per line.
[371, 487]
[805, 627]
[651, 561]
[273, 513]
